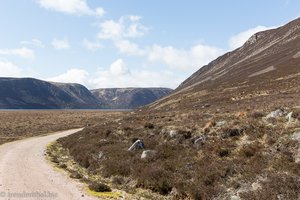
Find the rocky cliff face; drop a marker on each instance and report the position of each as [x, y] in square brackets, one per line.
[128, 98]
[28, 93]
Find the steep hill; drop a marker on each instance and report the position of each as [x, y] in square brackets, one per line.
[28, 93]
[267, 66]
[128, 98]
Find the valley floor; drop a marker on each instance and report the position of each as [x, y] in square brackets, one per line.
[20, 124]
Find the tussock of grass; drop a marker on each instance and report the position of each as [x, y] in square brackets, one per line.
[109, 195]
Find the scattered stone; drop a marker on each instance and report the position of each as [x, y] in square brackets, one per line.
[297, 156]
[100, 155]
[234, 197]
[275, 114]
[201, 140]
[221, 123]
[148, 154]
[137, 145]
[296, 136]
[256, 186]
[290, 117]
[173, 133]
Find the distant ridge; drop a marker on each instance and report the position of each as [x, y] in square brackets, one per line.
[128, 98]
[30, 93]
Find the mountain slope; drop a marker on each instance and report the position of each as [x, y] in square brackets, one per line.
[267, 65]
[28, 93]
[230, 131]
[128, 98]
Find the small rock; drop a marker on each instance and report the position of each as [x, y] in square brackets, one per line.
[275, 114]
[137, 145]
[256, 186]
[296, 136]
[173, 133]
[297, 156]
[200, 140]
[234, 197]
[221, 123]
[148, 154]
[100, 155]
[290, 117]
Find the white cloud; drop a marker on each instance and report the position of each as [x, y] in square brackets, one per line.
[119, 75]
[99, 12]
[34, 42]
[238, 40]
[60, 44]
[77, 7]
[72, 76]
[110, 30]
[8, 69]
[136, 78]
[182, 59]
[121, 30]
[92, 46]
[130, 48]
[119, 68]
[125, 27]
[20, 52]
[129, 27]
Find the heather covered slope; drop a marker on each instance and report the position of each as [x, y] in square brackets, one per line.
[267, 66]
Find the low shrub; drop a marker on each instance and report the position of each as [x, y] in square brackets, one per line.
[224, 153]
[249, 151]
[149, 125]
[231, 132]
[256, 115]
[99, 187]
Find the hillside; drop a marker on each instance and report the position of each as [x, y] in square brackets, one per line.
[128, 98]
[266, 67]
[230, 131]
[28, 93]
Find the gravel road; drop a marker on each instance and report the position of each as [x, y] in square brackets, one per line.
[26, 174]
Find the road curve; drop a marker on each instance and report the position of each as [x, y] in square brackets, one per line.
[26, 174]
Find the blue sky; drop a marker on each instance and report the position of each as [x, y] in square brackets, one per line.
[110, 43]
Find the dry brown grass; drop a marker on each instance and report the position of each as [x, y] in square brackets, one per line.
[16, 125]
[231, 156]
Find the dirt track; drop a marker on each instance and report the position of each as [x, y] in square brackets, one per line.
[24, 171]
